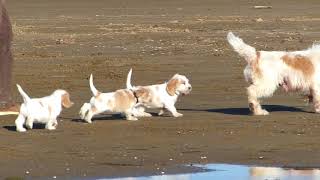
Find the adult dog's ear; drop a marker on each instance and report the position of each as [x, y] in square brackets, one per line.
[65, 100]
[172, 86]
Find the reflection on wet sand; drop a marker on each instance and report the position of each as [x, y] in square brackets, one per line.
[239, 172]
[257, 173]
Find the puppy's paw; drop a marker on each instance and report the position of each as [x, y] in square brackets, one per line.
[29, 126]
[261, 112]
[132, 118]
[88, 121]
[21, 129]
[51, 128]
[177, 115]
[161, 112]
[145, 114]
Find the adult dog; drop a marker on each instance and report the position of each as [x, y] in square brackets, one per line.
[268, 70]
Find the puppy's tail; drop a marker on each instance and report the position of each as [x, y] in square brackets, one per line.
[129, 86]
[93, 89]
[244, 50]
[23, 94]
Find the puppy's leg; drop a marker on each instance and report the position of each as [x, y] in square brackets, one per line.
[140, 112]
[254, 93]
[55, 123]
[19, 123]
[29, 122]
[170, 107]
[161, 112]
[129, 115]
[51, 124]
[91, 112]
[316, 98]
[84, 110]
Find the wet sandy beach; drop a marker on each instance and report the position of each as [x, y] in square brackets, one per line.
[57, 44]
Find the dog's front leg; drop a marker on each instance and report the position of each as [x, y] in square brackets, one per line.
[253, 101]
[129, 115]
[170, 107]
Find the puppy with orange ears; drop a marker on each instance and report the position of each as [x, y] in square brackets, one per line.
[163, 96]
[121, 101]
[41, 110]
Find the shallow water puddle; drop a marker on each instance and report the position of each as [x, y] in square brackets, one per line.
[237, 172]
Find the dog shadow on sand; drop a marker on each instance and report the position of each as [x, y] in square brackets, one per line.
[35, 126]
[104, 117]
[246, 111]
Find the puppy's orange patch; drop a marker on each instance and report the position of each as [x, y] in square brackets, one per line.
[172, 86]
[65, 100]
[299, 63]
[94, 109]
[143, 94]
[123, 100]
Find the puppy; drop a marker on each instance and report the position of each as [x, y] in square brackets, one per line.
[162, 96]
[41, 110]
[268, 70]
[120, 101]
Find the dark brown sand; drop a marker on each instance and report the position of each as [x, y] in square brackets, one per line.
[57, 44]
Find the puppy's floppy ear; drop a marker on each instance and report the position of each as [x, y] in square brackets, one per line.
[172, 86]
[65, 100]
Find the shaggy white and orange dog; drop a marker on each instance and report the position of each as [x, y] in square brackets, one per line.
[162, 96]
[41, 110]
[121, 101]
[268, 70]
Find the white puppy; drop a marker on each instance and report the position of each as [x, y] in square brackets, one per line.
[268, 70]
[41, 110]
[120, 101]
[162, 96]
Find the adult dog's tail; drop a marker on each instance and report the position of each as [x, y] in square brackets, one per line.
[128, 84]
[23, 94]
[244, 50]
[93, 89]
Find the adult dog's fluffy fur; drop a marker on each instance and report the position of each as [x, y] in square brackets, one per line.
[41, 110]
[121, 101]
[162, 96]
[268, 70]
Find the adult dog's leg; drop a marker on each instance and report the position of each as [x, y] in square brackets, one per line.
[315, 91]
[254, 93]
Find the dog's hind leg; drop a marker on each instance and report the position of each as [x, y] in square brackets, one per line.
[29, 122]
[50, 124]
[161, 112]
[254, 93]
[315, 92]
[90, 114]
[19, 123]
